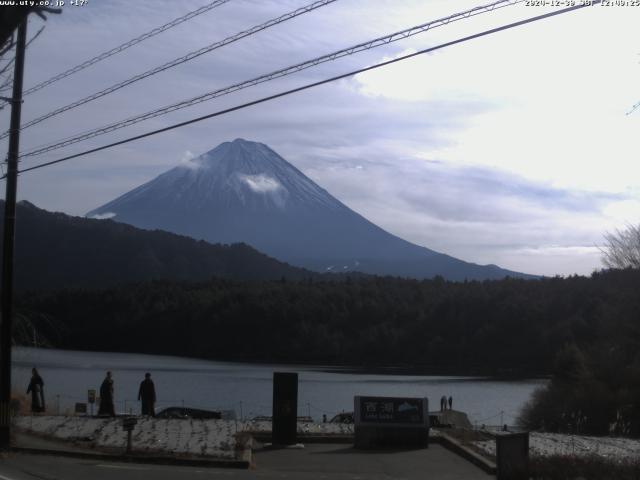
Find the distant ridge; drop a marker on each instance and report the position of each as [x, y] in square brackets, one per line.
[243, 191]
[54, 250]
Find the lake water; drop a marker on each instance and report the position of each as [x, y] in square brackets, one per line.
[246, 388]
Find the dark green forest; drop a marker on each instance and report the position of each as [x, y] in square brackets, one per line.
[470, 327]
[585, 331]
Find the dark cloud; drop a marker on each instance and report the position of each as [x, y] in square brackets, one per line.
[496, 196]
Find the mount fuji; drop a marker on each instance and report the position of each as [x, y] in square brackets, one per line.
[243, 191]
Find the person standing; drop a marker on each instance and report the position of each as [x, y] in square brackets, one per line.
[106, 397]
[147, 395]
[450, 402]
[36, 389]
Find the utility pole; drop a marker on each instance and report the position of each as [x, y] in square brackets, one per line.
[9, 238]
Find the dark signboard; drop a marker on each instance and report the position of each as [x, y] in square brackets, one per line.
[512, 456]
[128, 423]
[81, 408]
[382, 422]
[285, 408]
[391, 410]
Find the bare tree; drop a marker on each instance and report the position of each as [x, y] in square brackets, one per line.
[10, 18]
[622, 248]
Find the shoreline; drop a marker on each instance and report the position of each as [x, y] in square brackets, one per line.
[473, 373]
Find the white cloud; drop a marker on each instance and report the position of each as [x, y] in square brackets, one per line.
[103, 216]
[558, 109]
[187, 161]
[623, 212]
[261, 183]
[553, 260]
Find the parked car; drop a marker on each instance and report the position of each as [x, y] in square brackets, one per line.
[185, 412]
[344, 417]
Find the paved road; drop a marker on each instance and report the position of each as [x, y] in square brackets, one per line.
[330, 462]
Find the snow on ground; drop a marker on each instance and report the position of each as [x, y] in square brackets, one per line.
[546, 444]
[195, 437]
[306, 428]
[214, 438]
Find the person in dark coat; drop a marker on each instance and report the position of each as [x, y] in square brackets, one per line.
[450, 403]
[36, 389]
[147, 395]
[443, 403]
[106, 397]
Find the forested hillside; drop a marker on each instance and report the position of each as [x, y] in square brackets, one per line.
[54, 250]
[509, 326]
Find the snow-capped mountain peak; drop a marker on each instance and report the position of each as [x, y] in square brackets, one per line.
[243, 191]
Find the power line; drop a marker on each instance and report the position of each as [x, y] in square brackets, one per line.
[273, 75]
[178, 61]
[310, 85]
[8, 65]
[124, 46]
[7, 45]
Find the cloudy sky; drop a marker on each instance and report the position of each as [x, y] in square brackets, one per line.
[514, 149]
